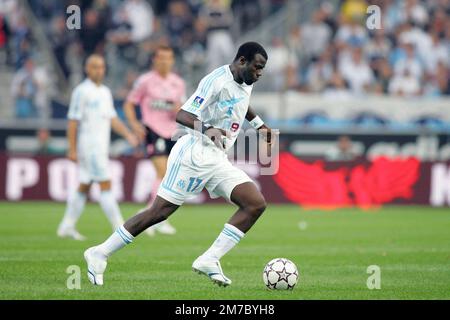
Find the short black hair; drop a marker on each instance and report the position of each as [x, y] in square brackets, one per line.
[163, 47]
[248, 50]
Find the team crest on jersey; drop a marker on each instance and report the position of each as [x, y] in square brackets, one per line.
[197, 102]
[181, 184]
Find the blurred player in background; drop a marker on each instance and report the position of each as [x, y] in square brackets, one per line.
[91, 116]
[159, 93]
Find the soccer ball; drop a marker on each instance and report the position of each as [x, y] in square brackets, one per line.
[280, 274]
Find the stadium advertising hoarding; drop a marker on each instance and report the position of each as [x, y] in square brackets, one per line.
[314, 184]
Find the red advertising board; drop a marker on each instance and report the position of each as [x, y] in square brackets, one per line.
[308, 183]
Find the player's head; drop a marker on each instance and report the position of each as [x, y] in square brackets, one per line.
[250, 61]
[95, 68]
[163, 60]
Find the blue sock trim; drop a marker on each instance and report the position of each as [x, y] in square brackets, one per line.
[233, 232]
[124, 237]
[231, 235]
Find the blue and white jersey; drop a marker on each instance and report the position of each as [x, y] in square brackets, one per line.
[93, 107]
[221, 102]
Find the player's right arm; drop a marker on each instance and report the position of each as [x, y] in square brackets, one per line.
[72, 128]
[74, 115]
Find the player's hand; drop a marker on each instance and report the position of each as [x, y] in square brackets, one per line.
[216, 135]
[132, 140]
[268, 136]
[138, 130]
[72, 155]
[266, 133]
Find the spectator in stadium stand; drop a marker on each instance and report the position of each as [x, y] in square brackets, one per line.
[342, 151]
[379, 46]
[351, 9]
[410, 33]
[4, 38]
[280, 60]
[413, 10]
[337, 88]
[319, 72]
[351, 33]
[179, 24]
[60, 40]
[219, 19]
[296, 44]
[438, 53]
[383, 74]
[120, 35]
[316, 33]
[21, 42]
[439, 22]
[404, 84]
[104, 11]
[437, 83]
[248, 13]
[141, 18]
[357, 72]
[92, 34]
[409, 61]
[24, 88]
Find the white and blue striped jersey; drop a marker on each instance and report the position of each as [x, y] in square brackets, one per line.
[93, 107]
[221, 102]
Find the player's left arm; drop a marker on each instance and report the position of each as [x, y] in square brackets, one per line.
[120, 128]
[259, 125]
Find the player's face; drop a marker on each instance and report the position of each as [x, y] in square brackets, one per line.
[95, 69]
[163, 61]
[253, 69]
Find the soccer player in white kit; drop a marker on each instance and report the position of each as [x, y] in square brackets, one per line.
[91, 116]
[213, 116]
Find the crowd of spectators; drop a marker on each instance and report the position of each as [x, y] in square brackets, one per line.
[30, 85]
[202, 32]
[333, 53]
[336, 54]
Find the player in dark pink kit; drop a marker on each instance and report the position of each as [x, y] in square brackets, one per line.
[160, 94]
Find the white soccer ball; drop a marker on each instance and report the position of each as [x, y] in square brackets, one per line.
[280, 274]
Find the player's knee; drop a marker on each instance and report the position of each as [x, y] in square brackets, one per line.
[257, 207]
[84, 188]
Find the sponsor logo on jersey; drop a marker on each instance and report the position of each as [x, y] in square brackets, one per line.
[197, 102]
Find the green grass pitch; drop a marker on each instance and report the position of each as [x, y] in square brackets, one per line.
[411, 245]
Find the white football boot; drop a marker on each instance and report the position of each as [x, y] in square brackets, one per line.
[70, 233]
[96, 265]
[164, 227]
[211, 269]
[150, 231]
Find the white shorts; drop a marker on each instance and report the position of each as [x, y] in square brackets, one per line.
[93, 167]
[194, 165]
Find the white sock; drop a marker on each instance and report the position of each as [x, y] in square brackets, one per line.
[74, 208]
[119, 239]
[227, 239]
[111, 209]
